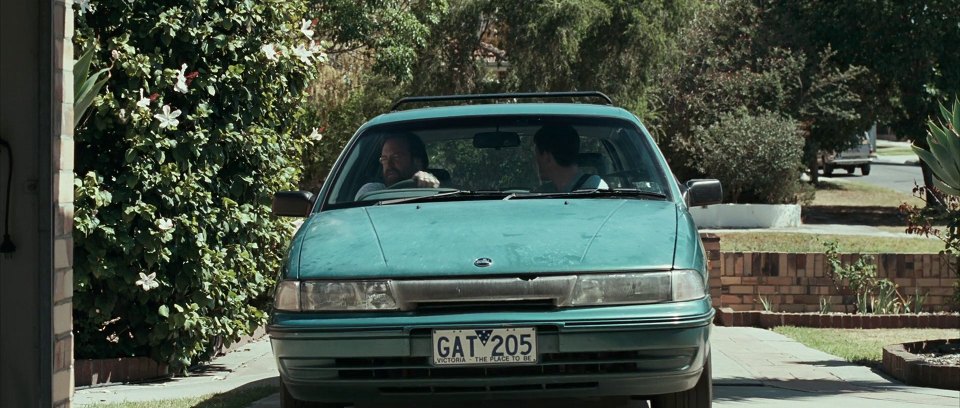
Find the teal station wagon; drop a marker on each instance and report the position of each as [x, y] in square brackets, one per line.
[498, 251]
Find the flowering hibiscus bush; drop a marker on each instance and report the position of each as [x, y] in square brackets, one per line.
[200, 122]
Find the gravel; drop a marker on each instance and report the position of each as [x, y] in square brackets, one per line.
[941, 359]
[944, 354]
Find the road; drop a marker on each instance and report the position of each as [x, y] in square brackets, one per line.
[751, 368]
[894, 177]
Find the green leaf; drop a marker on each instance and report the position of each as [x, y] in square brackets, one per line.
[88, 91]
[82, 66]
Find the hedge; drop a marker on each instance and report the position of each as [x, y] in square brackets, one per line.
[200, 122]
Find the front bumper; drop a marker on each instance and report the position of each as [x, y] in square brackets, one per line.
[622, 350]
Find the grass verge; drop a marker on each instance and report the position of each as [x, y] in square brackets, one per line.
[239, 398]
[860, 346]
[855, 194]
[803, 242]
[895, 151]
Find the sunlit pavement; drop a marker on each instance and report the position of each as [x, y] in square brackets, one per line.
[756, 367]
[751, 367]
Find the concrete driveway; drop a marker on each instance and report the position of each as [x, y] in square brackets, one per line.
[751, 367]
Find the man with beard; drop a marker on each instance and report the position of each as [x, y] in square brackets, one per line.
[403, 157]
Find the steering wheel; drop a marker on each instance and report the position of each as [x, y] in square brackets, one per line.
[408, 183]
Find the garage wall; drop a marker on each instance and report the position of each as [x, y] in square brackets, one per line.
[36, 105]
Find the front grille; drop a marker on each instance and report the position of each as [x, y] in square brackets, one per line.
[482, 389]
[551, 364]
[498, 306]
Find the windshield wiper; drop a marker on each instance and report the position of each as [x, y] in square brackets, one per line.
[618, 192]
[449, 195]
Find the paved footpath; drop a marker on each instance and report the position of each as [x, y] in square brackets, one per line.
[752, 368]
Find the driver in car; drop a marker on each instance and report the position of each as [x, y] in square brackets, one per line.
[403, 157]
[555, 149]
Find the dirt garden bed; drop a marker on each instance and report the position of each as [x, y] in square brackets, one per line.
[767, 320]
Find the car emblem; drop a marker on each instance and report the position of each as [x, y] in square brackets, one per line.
[483, 262]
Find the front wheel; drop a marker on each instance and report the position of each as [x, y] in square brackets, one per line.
[700, 396]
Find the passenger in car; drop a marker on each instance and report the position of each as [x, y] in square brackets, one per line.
[555, 149]
[403, 157]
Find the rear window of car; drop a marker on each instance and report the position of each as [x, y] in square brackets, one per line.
[497, 154]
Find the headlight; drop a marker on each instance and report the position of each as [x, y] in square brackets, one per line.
[688, 285]
[637, 288]
[287, 296]
[334, 296]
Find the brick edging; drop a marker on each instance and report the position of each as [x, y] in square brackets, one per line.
[899, 362]
[763, 319]
[92, 372]
[88, 372]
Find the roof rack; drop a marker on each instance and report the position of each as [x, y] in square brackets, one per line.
[527, 95]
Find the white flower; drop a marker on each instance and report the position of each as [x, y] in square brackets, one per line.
[164, 224]
[148, 282]
[181, 85]
[317, 51]
[315, 135]
[270, 51]
[303, 53]
[86, 7]
[167, 118]
[143, 102]
[123, 113]
[305, 28]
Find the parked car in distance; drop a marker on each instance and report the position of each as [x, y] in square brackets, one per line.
[473, 278]
[851, 159]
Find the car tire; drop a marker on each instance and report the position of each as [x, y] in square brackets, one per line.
[865, 170]
[288, 401]
[700, 396]
[827, 170]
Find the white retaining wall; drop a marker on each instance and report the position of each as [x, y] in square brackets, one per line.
[747, 216]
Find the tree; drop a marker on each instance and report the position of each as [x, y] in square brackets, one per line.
[372, 46]
[910, 47]
[611, 46]
[476, 46]
[733, 58]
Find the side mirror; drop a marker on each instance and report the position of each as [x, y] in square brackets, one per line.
[702, 192]
[292, 203]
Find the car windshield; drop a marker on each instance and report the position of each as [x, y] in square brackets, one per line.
[498, 157]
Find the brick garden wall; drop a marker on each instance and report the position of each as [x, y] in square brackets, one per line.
[796, 282]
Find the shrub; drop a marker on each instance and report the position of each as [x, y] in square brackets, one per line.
[742, 54]
[200, 122]
[943, 157]
[757, 158]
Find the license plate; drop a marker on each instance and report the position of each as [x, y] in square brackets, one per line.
[517, 345]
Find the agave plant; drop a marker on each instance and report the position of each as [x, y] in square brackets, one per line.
[86, 86]
[943, 158]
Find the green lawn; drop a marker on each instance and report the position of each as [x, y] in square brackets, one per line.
[239, 398]
[861, 346]
[895, 151]
[805, 242]
[855, 194]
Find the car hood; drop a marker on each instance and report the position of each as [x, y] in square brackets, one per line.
[531, 236]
